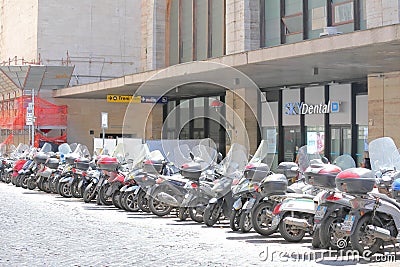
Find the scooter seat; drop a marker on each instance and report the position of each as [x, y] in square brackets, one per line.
[295, 195]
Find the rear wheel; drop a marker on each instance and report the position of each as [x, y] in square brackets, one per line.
[361, 240]
[116, 199]
[31, 183]
[327, 234]
[104, 199]
[196, 210]
[24, 183]
[183, 214]
[18, 180]
[7, 178]
[289, 232]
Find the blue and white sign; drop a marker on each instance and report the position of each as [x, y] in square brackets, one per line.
[154, 99]
[301, 108]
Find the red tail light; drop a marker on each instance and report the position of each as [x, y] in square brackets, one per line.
[73, 170]
[184, 166]
[144, 178]
[249, 166]
[235, 181]
[194, 185]
[347, 174]
[159, 180]
[148, 162]
[84, 174]
[256, 187]
[330, 169]
[277, 209]
[334, 197]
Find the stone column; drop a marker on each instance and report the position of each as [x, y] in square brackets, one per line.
[383, 106]
[242, 25]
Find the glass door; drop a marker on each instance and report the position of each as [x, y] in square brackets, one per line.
[292, 137]
[340, 141]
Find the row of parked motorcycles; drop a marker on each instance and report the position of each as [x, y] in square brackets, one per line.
[338, 204]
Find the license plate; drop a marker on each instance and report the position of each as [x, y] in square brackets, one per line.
[319, 214]
[249, 204]
[275, 221]
[348, 223]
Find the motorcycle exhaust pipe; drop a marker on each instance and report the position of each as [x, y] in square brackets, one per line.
[300, 223]
[168, 199]
[379, 232]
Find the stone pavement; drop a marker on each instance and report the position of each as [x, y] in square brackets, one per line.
[39, 229]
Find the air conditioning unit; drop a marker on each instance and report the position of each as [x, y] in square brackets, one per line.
[328, 31]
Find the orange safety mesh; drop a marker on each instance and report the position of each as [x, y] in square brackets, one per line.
[13, 114]
[56, 140]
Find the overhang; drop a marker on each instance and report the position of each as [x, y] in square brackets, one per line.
[338, 58]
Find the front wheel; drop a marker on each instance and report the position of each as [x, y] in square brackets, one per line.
[211, 214]
[130, 201]
[245, 222]
[327, 234]
[65, 190]
[116, 199]
[104, 199]
[157, 207]
[183, 214]
[75, 191]
[31, 183]
[289, 232]
[361, 240]
[316, 241]
[24, 182]
[234, 220]
[143, 201]
[261, 219]
[90, 193]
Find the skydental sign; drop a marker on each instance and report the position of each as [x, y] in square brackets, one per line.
[301, 108]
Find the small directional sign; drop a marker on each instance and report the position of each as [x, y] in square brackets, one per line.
[155, 99]
[123, 99]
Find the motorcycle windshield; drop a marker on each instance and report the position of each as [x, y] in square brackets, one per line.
[345, 162]
[262, 152]
[235, 161]
[384, 154]
[46, 148]
[64, 149]
[138, 154]
[305, 156]
[21, 148]
[206, 155]
[156, 155]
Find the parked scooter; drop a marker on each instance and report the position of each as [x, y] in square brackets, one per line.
[374, 218]
[231, 171]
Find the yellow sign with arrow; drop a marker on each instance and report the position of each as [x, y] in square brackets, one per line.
[124, 99]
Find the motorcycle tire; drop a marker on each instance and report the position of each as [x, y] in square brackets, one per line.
[116, 199]
[75, 191]
[183, 214]
[157, 207]
[326, 233]
[234, 220]
[290, 233]
[211, 215]
[90, 193]
[102, 195]
[7, 178]
[143, 201]
[358, 237]
[262, 223]
[40, 184]
[24, 182]
[65, 190]
[245, 224]
[18, 180]
[31, 183]
[13, 179]
[316, 241]
[196, 210]
[130, 202]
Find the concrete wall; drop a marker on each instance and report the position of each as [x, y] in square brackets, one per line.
[382, 12]
[18, 30]
[383, 106]
[242, 25]
[102, 37]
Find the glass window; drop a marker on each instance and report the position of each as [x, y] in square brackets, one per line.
[217, 28]
[316, 139]
[201, 25]
[342, 12]
[174, 33]
[272, 22]
[362, 144]
[363, 15]
[293, 21]
[317, 18]
[187, 31]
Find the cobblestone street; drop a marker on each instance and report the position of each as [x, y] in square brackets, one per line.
[39, 229]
